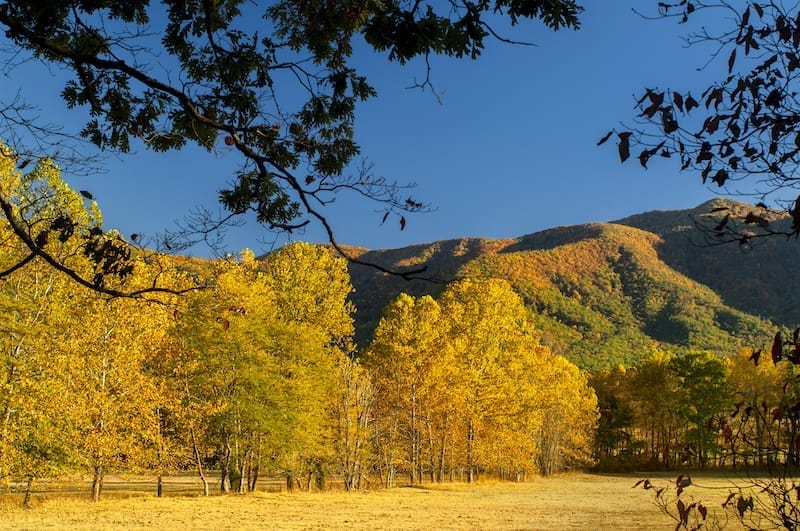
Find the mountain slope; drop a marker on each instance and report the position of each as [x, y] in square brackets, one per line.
[599, 294]
[762, 282]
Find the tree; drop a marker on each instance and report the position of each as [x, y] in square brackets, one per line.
[282, 92]
[268, 370]
[740, 129]
[403, 359]
[701, 379]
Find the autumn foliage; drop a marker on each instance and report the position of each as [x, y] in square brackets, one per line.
[248, 366]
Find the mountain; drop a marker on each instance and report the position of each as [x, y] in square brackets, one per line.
[762, 282]
[601, 294]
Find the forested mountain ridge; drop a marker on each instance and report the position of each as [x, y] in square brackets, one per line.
[762, 282]
[600, 294]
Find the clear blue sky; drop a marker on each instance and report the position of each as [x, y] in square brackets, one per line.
[509, 151]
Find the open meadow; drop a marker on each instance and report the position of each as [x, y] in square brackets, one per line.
[569, 501]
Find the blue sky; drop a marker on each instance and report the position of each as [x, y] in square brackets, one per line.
[510, 149]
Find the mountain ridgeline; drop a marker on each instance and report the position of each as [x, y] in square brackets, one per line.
[604, 294]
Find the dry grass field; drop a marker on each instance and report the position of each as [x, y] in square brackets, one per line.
[570, 501]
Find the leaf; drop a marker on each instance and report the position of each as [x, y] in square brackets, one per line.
[385, 217]
[777, 347]
[754, 357]
[683, 512]
[720, 177]
[644, 156]
[691, 103]
[606, 137]
[728, 499]
[754, 219]
[402, 223]
[668, 122]
[731, 60]
[773, 98]
[87, 195]
[677, 99]
[624, 146]
[721, 225]
[702, 510]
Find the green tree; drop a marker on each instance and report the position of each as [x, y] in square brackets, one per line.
[271, 381]
[615, 425]
[655, 398]
[704, 394]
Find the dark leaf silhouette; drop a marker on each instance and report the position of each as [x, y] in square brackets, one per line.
[606, 137]
[677, 99]
[624, 146]
[720, 177]
[683, 513]
[773, 98]
[754, 357]
[87, 195]
[728, 500]
[754, 219]
[777, 348]
[731, 60]
[721, 225]
[402, 223]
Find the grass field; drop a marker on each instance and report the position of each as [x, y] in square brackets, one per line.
[570, 501]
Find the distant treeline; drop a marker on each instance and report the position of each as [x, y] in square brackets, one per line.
[699, 411]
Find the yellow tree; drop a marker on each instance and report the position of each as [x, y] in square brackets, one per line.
[271, 378]
[567, 407]
[110, 343]
[655, 399]
[312, 286]
[488, 331]
[35, 416]
[750, 430]
[46, 314]
[402, 359]
[352, 415]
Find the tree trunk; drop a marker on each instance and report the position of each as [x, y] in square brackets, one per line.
[225, 473]
[28, 486]
[470, 457]
[97, 482]
[160, 485]
[199, 463]
[241, 488]
[253, 478]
